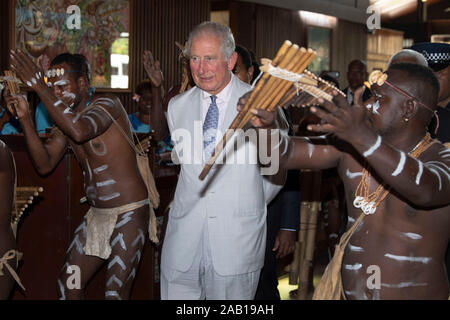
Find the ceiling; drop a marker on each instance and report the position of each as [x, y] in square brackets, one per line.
[351, 10]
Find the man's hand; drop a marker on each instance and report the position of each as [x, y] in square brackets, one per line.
[26, 69]
[284, 243]
[152, 68]
[345, 121]
[262, 119]
[17, 104]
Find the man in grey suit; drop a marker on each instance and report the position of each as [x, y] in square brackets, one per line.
[216, 234]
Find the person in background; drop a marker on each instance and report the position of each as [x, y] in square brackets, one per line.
[356, 75]
[408, 56]
[244, 67]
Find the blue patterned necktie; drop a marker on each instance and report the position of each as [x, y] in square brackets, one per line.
[210, 128]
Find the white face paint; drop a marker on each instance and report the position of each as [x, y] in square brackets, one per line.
[33, 80]
[374, 107]
[29, 83]
[61, 83]
[57, 103]
[69, 95]
[424, 260]
[67, 111]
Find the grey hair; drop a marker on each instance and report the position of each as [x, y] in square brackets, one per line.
[408, 54]
[219, 30]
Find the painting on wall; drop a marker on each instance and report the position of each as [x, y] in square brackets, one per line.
[98, 29]
[319, 39]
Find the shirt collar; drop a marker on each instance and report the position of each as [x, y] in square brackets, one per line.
[222, 96]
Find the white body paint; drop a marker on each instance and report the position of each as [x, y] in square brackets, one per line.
[403, 285]
[374, 148]
[413, 236]
[353, 175]
[409, 259]
[353, 267]
[355, 248]
[118, 261]
[109, 197]
[438, 165]
[92, 121]
[100, 169]
[99, 152]
[125, 219]
[419, 174]
[106, 183]
[438, 176]
[445, 153]
[401, 165]
[310, 150]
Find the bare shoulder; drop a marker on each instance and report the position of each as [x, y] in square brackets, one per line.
[108, 102]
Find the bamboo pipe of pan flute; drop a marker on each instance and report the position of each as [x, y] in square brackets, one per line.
[277, 94]
[13, 88]
[301, 69]
[21, 202]
[256, 93]
[30, 189]
[273, 82]
[304, 61]
[24, 197]
[294, 56]
[261, 82]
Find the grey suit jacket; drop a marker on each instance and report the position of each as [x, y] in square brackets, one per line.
[231, 201]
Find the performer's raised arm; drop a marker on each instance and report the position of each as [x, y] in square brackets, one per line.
[67, 93]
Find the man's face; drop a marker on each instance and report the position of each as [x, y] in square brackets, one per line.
[240, 70]
[64, 86]
[356, 75]
[384, 106]
[210, 70]
[145, 101]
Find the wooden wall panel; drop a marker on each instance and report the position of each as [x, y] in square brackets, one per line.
[349, 42]
[381, 46]
[273, 26]
[155, 25]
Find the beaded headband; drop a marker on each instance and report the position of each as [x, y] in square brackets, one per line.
[380, 78]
